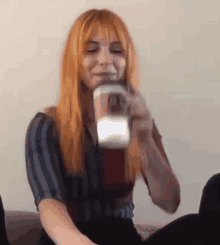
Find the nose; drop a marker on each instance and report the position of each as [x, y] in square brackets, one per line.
[105, 57]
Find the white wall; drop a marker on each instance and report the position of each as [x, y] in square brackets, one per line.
[180, 68]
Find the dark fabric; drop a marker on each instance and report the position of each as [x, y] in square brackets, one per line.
[112, 176]
[3, 233]
[44, 171]
[201, 228]
[45, 239]
[104, 231]
[211, 196]
[191, 229]
[47, 177]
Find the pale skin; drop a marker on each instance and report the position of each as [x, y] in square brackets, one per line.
[107, 56]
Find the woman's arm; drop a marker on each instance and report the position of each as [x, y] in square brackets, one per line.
[47, 182]
[58, 224]
[162, 183]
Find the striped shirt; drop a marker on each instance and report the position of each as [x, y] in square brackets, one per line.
[47, 177]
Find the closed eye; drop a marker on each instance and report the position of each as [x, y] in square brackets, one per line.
[92, 51]
[113, 51]
[117, 51]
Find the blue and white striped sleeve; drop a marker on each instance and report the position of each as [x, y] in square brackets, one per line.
[42, 160]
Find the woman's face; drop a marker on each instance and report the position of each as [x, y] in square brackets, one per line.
[103, 60]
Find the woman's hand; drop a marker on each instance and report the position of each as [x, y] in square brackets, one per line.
[141, 121]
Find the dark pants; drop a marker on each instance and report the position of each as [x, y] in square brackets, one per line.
[192, 229]
[3, 234]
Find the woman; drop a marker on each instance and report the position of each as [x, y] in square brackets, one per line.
[81, 190]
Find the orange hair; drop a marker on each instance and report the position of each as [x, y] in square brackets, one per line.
[68, 111]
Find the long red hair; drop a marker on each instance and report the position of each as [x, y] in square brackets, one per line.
[68, 111]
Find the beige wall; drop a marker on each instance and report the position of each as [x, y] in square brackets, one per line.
[180, 76]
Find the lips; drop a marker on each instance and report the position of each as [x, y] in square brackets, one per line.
[105, 74]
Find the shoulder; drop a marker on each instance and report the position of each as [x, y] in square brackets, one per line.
[39, 120]
[40, 127]
[41, 116]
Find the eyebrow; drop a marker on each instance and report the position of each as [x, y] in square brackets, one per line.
[91, 41]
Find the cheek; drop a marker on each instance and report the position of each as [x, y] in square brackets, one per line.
[122, 63]
[86, 62]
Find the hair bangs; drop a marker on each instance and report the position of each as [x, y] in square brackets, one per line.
[102, 30]
[106, 31]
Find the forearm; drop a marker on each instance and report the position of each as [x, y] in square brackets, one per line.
[162, 182]
[58, 224]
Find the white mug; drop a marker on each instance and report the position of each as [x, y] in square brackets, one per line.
[112, 123]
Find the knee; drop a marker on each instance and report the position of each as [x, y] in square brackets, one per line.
[210, 200]
[213, 181]
[215, 176]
